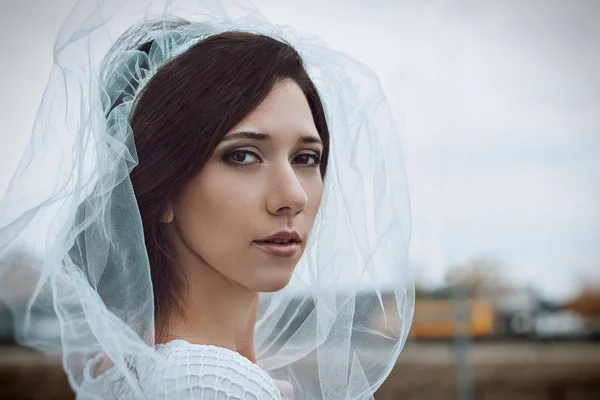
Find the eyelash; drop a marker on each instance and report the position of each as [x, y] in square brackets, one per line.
[227, 158]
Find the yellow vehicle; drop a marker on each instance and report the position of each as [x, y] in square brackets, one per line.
[442, 318]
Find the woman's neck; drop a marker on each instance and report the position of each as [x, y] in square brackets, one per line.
[212, 318]
[215, 310]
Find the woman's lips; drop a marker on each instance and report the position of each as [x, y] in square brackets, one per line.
[279, 249]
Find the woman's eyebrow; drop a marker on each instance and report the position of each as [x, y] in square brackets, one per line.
[247, 135]
[266, 136]
[311, 139]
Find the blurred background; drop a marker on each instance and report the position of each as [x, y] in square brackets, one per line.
[498, 108]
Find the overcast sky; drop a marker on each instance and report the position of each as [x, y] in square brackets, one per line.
[497, 103]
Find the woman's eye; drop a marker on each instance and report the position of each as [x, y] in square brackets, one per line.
[241, 157]
[307, 159]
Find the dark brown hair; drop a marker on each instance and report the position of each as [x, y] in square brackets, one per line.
[180, 117]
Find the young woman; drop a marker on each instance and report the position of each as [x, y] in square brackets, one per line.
[205, 237]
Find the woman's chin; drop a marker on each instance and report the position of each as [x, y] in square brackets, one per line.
[273, 286]
[272, 281]
[272, 289]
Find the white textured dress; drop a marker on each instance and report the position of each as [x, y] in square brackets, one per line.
[190, 371]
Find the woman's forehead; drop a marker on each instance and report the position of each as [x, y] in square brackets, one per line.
[285, 110]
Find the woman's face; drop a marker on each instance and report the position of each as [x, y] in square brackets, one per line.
[262, 185]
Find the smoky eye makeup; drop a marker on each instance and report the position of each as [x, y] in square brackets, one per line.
[307, 159]
[307, 154]
[240, 157]
[246, 157]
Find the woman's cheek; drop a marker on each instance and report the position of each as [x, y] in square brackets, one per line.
[314, 190]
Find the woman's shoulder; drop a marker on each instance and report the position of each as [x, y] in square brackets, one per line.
[212, 371]
[190, 371]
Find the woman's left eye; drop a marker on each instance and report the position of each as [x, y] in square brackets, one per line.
[241, 157]
[307, 159]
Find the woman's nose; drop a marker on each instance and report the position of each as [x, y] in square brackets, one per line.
[287, 195]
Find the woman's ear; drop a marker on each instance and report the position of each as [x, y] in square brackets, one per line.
[168, 215]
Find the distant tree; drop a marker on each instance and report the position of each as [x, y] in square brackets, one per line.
[586, 303]
[478, 277]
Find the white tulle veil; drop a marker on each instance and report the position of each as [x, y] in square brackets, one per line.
[73, 265]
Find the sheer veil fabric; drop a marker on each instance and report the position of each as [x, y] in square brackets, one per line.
[73, 265]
